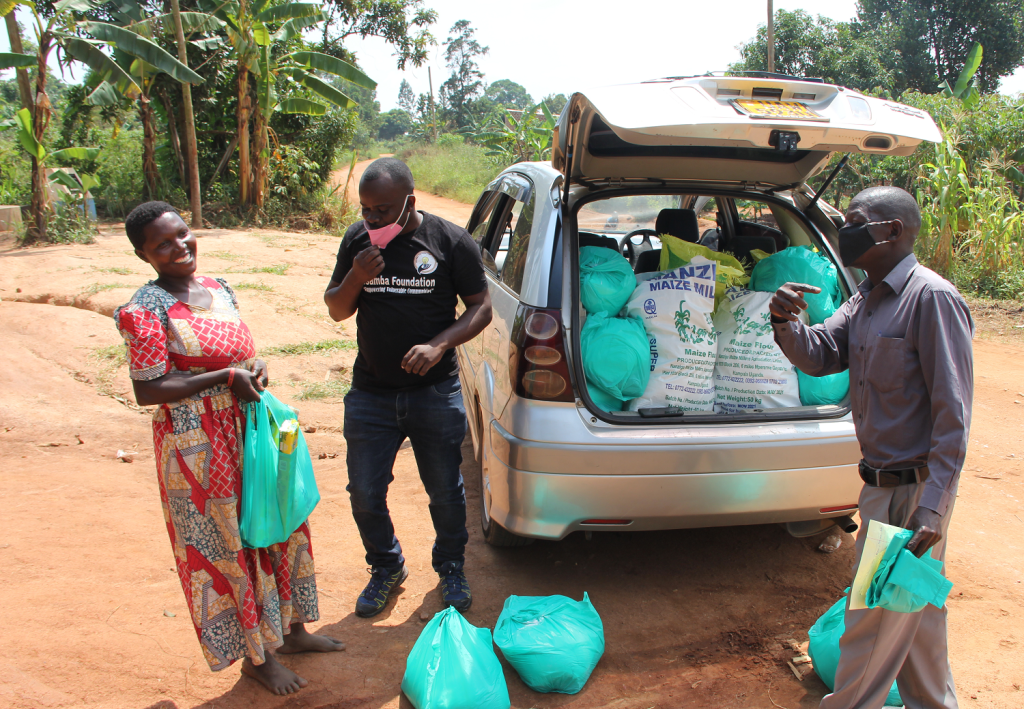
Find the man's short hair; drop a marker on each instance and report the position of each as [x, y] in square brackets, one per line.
[140, 218]
[888, 202]
[391, 168]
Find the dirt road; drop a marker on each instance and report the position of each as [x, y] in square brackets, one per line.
[96, 616]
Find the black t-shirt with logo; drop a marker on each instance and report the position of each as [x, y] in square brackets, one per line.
[411, 301]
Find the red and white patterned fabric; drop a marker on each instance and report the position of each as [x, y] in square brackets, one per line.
[242, 601]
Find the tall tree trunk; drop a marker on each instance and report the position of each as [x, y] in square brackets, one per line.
[149, 169]
[14, 35]
[172, 129]
[259, 178]
[195, 194]
[244, 167]
[40, 121]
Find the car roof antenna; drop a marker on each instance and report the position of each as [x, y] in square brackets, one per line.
[828, 181]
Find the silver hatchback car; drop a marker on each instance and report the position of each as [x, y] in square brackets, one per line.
[722, 161]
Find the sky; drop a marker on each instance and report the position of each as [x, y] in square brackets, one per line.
[560, 46]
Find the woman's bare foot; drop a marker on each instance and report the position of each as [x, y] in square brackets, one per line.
[301, 640]
[274, 676]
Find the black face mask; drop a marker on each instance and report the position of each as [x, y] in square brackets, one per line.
[855, 240]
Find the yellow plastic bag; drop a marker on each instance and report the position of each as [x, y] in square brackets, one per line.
[730, 272]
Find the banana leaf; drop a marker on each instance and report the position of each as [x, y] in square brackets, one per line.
[289, 12]
[13, 60]
[323, 89]
[103, 95]
[293, 28]
[144, 49]
[331, 65]
[75, 154]
[88, 53]
[26, 136]
[305, 106]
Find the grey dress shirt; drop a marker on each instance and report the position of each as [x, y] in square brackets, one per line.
[907, 344]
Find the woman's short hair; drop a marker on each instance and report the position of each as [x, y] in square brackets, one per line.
[141, 216]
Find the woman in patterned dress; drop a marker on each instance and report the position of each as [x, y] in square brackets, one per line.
[190, 354]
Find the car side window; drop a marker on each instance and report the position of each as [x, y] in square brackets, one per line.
[518, 231]
[480, 222]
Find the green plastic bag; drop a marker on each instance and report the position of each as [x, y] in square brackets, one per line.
[453, 666]
[553, 642]
[616, 355]
[606, 280]
[729, 273]
[801, 265]
[823, 648]
[278, 485]
[604, 400]
[823, 391]
[904, 583]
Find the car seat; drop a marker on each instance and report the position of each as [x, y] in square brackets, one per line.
[648, 261]
[680, 223]
[741, 246]
[588, 239]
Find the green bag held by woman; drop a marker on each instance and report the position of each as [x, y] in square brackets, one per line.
[823, 648]
[606, 280]
[278, 486]
[553, 642]
[453, 666]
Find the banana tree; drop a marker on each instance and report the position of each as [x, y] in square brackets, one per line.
[25, 130]
[59, 34]
[247, 25]
[965, 89]
[298, 69]
[133, 51]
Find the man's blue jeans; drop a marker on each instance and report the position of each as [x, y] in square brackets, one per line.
[433, 418]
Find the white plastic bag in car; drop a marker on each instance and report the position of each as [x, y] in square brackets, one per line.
[750, 372]
[675, 307]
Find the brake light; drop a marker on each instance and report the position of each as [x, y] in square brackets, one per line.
[536, 360]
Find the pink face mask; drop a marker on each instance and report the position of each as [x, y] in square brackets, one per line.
[383, 236]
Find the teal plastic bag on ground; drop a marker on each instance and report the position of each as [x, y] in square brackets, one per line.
[279, 489]
[553, 642]
[823, 391]
[823, 648]
[801, 265]
[616, 355]
[904, 583]
[453, 666]
[606, 280]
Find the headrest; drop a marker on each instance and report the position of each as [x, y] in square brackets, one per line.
[680, 223]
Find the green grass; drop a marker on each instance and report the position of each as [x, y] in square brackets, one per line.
[278, 269]
[115, 354]
[460, 172]
[225, 255]
[323, 347]
[95, 288]
[250, 285]
[119, 270]
[324, 390]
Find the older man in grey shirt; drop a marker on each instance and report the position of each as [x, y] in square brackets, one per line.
[906, 337]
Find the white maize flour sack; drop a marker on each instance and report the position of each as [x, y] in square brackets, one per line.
[751, 372]
[675, 307]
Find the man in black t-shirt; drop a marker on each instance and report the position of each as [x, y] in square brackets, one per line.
[401, 272]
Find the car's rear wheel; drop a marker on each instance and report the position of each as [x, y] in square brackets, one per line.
[494, 533]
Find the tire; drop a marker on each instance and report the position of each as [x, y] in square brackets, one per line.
[494, 533]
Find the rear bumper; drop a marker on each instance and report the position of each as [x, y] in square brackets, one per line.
[554, 499]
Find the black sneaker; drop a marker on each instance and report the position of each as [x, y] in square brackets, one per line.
[455, 587]
[375, 596]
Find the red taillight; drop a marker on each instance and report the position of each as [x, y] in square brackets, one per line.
[841, 508]
[537, 356]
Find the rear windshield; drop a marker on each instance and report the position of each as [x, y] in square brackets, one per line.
[673, 307]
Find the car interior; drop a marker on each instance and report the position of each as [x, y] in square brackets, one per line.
[740, 227]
